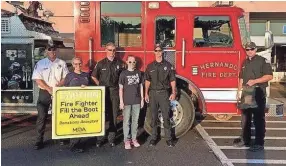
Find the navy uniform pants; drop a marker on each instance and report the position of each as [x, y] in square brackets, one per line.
[258, 119]
[160, 99]
[43, 105]
[111, 111]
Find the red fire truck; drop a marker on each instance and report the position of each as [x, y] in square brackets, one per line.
[204, 44]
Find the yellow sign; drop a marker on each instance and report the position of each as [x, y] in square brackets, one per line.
[78, 112]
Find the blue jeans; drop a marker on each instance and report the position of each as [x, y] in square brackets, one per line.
[134, 111]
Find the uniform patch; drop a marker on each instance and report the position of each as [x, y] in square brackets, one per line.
[117, 66]
[165, 68]
[267, 61]
[172, 68]
[59, 66]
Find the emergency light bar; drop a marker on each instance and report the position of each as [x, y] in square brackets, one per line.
[184, 3]
[223, 3]
[153, 5]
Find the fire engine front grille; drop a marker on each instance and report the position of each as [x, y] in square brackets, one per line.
[170, 56]
[5, 27]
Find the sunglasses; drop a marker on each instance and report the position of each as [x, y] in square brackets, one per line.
[250, 49]
[52, 49]
[158, 50]
[111, 50]
[77, 64]
[132, 62]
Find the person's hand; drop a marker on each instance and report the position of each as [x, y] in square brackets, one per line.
[121, 106]
[251, 82]
[142, 103]
[147, 98]
[172, 97]
[50, 90]
[82, 86]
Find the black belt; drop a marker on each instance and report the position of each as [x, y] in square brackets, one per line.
[112, 88]
[161, 90]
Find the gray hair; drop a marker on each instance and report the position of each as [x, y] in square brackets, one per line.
[110, 44]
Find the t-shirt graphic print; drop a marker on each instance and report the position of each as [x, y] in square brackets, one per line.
[131, 80]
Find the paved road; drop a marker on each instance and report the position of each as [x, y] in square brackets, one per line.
[223, 134]
[17, 140]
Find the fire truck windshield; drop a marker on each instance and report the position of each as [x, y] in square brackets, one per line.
[244, 34]
[212, 31]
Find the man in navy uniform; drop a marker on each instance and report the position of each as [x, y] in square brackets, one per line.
[160, 83]
[106, 73]
[255, 72]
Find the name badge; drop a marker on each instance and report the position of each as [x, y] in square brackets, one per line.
[103, 69]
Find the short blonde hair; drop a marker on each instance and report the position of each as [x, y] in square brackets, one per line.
[76, 58]
[131, 56]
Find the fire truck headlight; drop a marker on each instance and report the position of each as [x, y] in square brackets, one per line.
[153, 5]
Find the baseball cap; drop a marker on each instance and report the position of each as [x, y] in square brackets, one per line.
[51, 46]
[250, 45]
[158, 46]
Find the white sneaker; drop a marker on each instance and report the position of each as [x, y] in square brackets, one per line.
[127, 145]
[135, 143]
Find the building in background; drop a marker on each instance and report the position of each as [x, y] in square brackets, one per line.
[260, 16]
[62, 16]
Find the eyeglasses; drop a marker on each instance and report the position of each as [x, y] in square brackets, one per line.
[132, 62]
[158, 50]
[250, 49]
[52, 49]
[77, 64]
[111, 50]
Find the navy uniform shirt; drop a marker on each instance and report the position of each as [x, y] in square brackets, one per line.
[160, 75]
[74, 79]
[107, 72]
[254, 69]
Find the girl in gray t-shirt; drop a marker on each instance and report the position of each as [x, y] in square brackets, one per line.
[131, 100]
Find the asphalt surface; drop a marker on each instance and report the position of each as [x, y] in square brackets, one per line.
[224, 133]
[18, 138]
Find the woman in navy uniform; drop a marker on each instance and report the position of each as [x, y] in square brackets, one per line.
[77, 78]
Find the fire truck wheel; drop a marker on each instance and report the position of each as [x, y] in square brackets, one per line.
[222, 117]
[182, 116]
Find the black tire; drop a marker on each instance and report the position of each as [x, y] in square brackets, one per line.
[186, 121]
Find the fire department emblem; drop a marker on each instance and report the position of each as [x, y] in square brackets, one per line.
[165, 68]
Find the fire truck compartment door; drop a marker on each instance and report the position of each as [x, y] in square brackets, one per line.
[216, 73]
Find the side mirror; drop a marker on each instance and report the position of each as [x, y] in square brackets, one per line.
[269, 43]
